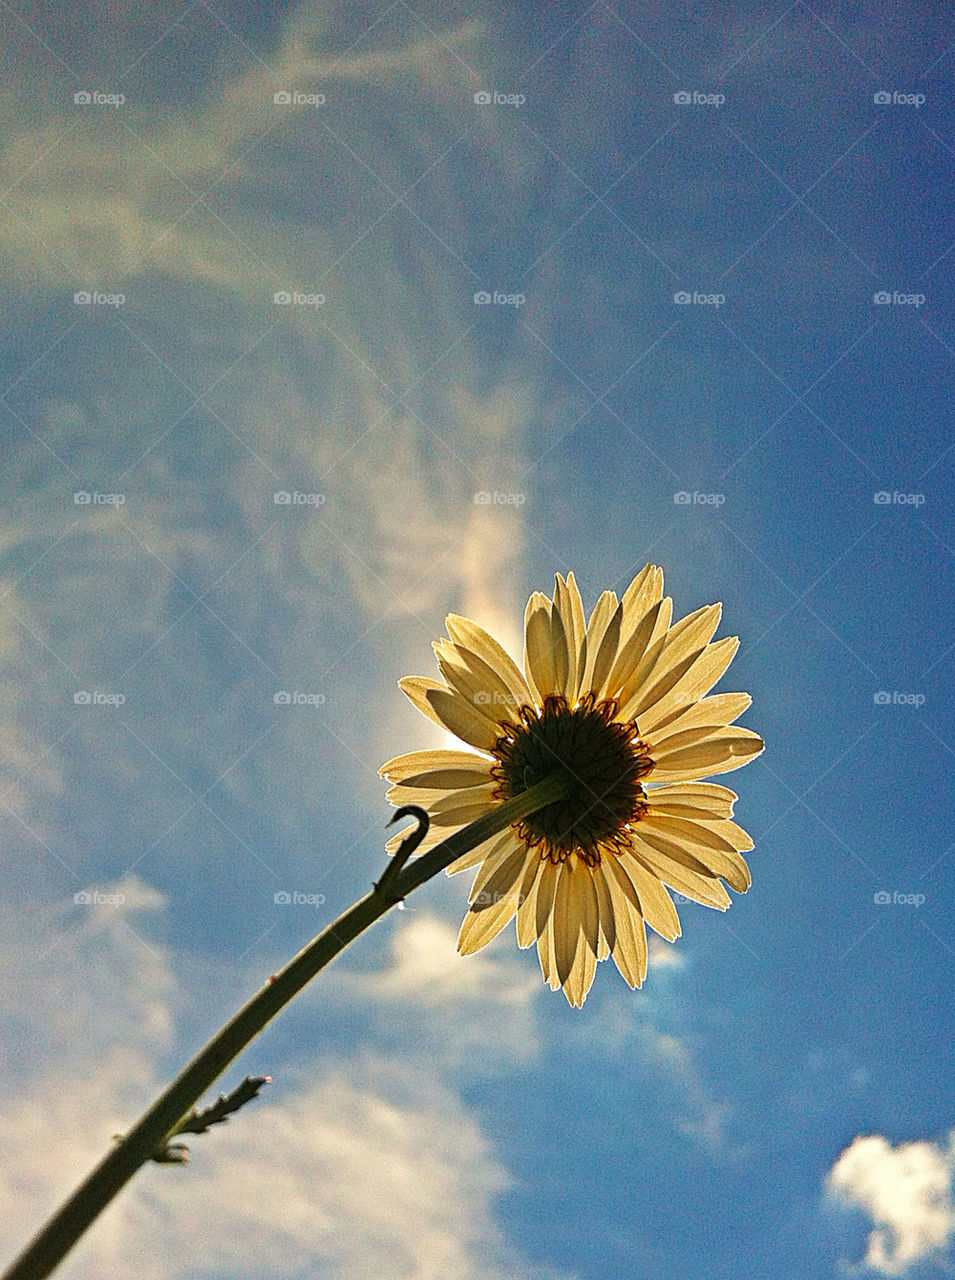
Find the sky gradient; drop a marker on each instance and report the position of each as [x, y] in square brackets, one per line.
[322, 321]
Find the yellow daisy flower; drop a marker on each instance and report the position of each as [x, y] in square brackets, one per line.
[619, 703]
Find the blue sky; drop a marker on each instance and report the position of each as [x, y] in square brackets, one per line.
[721, 338]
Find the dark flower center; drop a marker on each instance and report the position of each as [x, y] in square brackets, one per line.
[603, 760]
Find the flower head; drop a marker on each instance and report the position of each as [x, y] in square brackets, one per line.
[618, 705]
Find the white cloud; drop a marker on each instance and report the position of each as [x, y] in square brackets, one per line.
[906, 1190]
[633, 1028]
[360, 1168]
[29, 770]
[426, 968]
[471, 1011]
[664, 955]
[106, 203]
[363, 1173]
[316, 406]
[703, 1117]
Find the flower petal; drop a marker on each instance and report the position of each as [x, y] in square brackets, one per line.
[435, 835]
[464, 798]
[692, 800]
[417, 688]
[642, 658]
[694, 754]
[692, 881]
[538, 659]
[477, 683]
[605, 913]
[590, 908]
[527, 911]
[470, 636]
[433, 798]
[606, 654]
[731, 831]
[720, 709]
[600, 618]
[545, 954]
[655, 903]
[485, 920]
[566, 923]
[458, 813]
[492, 845]
[574, 922]
[488, 884]
[709, 850]
[695, 681]
[546, 888]
[644, 591]
[454, 713]
[437, 769]
[581, 975]
[630, 947]
[567, 601]
[560, 651]
[666, 662]
[648, 630]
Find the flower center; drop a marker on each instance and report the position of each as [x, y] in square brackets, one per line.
[603, 761]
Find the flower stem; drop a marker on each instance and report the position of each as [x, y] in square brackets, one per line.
[139, 1145]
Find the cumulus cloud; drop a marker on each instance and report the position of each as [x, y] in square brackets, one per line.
[359, 1168]
[476, 1012]
[906, 1190]
[360, 1174]
[426, 968]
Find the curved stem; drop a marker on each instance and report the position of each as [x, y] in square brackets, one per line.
[138, 1146]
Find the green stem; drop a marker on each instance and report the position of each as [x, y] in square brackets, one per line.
[157, 1124]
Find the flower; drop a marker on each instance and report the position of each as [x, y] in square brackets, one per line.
[619, 705]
